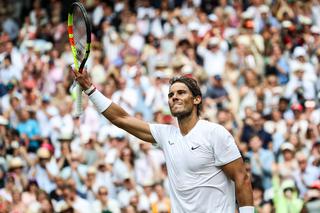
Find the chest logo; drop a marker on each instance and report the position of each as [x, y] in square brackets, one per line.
[171, 143]
[196, 147]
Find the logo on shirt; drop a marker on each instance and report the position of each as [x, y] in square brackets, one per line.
[193, 148]
[171, 143]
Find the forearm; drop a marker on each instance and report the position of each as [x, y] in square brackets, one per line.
[244, 191]
[119, 117]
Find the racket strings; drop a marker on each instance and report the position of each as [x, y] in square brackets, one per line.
[79, 33]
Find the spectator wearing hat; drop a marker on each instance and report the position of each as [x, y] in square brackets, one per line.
[126, 97]
[90, 149]
[128, 191]
[287, 163]
[105, 177]
[156, 97]
[312, 111]
[148, 196]
[44, 170]
[266, 18]
[305, 175]
[298, 88]
[285, 197]
[216, 94]
[16, 169]
[90, 187]
[104, 203]
[212, 51]
[71, 200]
[301, 59]
[44, 113]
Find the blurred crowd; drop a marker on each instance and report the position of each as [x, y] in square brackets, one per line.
[258, 65]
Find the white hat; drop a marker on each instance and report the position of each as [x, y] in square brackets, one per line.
[187, 69]
[213, 17]
[159, 74]
[264, 9]
[3, 121]
[43, 153]
[297, 67]
[286, 24]
[305, 20]
[65, 136]
[315, 29]
[248, 14]
[148, 182]
[117, 133]
[15, 162]
[287, 146]
[130, 27]
[133, 71]
[299, 51]
[92, 170]
[193, 26]
[85, 134]
[214, 41]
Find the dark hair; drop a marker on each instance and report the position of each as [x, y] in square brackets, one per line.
[192, 85]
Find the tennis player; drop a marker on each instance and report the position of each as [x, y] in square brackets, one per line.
[205, 169]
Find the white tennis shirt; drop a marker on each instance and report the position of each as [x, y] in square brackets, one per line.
[196, 181]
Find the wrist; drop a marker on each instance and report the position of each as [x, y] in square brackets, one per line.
[100, 101]
[246, 209]
[90, 90]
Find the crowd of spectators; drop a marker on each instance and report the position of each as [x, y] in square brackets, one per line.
[258, 65]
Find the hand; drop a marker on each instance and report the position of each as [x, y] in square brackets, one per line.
[83, 78]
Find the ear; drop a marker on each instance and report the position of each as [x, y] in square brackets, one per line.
[197, 100]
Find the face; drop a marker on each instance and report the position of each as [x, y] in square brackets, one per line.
[181, 101]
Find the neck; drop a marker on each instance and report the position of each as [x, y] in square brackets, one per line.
[187, 123]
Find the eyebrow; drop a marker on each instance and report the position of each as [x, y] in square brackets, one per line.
[178, 91]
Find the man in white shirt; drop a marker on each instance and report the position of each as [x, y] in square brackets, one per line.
[205, 168]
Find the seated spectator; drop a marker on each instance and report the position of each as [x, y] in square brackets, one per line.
[103, 203]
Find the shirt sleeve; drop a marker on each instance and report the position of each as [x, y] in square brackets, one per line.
[225, 148]
[158, 132]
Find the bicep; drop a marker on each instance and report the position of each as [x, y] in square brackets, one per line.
[139, 128]
[234, 169]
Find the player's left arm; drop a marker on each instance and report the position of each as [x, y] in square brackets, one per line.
[236, 171]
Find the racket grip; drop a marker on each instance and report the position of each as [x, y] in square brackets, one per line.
[78, 106]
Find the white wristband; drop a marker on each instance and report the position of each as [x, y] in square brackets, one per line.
[100, 101]
[87, 91]
[246, 209]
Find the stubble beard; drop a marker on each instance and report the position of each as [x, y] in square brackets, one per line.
[181, 115]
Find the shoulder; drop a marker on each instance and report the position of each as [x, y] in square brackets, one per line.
[165, 127]
[211, 127]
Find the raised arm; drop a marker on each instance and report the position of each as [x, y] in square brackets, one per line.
[113, 112]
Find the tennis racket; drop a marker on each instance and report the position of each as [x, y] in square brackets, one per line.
[79, 33]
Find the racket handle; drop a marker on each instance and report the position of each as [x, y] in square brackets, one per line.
[78, 109]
